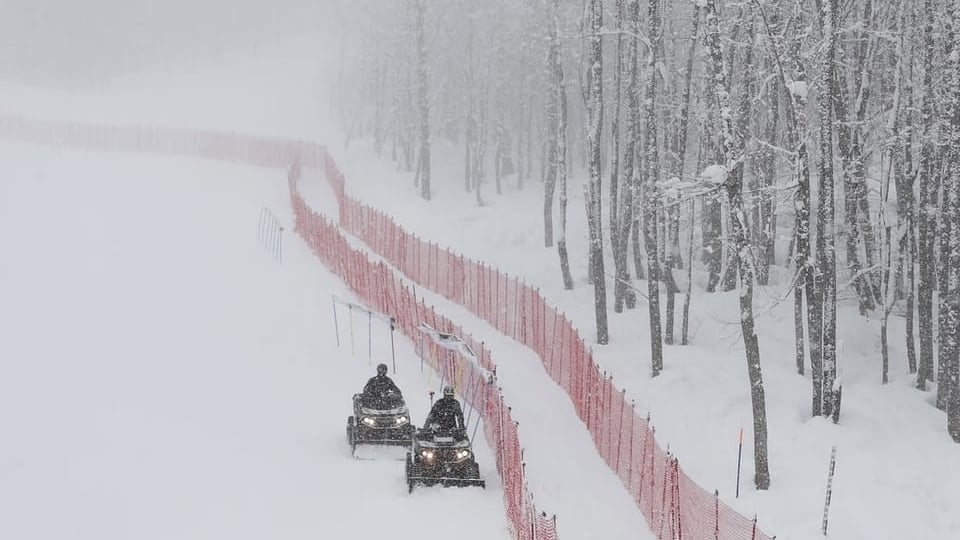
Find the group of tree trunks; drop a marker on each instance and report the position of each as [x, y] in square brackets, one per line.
[799, 104]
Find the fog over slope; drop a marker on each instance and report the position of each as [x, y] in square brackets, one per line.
[74, 43]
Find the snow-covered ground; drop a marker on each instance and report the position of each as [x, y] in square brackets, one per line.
[563, 469]
[895, 461]
[897, 476]
[162, 377]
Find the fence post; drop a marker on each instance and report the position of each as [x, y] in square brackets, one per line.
[500, 420]
[336, 326]
[633, 429]
[716, 514]
[678, 515]
[280, 245]
[826, 506]
[608, 419]
[739, 457]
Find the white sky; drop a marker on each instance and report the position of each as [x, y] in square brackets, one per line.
[83, 42]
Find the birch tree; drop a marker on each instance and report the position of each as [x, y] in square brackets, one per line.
[905, 173]
[928, 196]
[551, 117]
[625, 211]
[682, 145]
[826, 256]
[733, 185]
[650, 194]
[950, 342]
[594, 103]
[423, 103]
[561, 136]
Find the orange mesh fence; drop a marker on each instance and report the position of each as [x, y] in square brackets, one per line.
[674, 505]
[374, 283]
[378, 286]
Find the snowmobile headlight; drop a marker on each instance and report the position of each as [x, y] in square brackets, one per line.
[402, 419]
[463, 454]
[369, 421]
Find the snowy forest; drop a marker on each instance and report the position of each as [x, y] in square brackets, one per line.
[809, 146]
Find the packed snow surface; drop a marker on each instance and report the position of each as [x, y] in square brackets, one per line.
[163, 377]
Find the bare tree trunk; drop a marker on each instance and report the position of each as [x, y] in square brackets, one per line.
[683, 123]
[561, 137]
[943, 298]
[733, 152]
[950, 339]
[670, 216]
[731, 265]
[618, 233]
[766, 220]
[889, 299]
[685, 325]
[826, 255]
[470, 121]
[796, 124]
[478, 174]
[501, 150]
[854, 189]
[928, 195]
[594, 96]
[905, 174]
[712, 244]
[651, 182]
[712, 223]
[552, 120]
[423, 104]
[863, 91]
[615, 138]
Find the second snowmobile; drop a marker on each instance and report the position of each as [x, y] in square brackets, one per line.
[442, 456]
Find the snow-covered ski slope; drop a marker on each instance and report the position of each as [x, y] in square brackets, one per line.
[161, 376]
[897, 472]
[563, 469]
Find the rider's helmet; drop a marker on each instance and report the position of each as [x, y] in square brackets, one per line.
[381, 369]
[447, 391]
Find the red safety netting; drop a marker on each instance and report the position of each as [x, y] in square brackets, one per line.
[374, 283]
[377, 286]
[674, 505]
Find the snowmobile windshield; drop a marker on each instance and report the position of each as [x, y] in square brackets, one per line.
[445, 437]
[390, 402]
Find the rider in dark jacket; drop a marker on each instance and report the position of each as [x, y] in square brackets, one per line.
[446, 412]
[380, 385]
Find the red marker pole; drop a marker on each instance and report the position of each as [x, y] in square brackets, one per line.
[739, 456]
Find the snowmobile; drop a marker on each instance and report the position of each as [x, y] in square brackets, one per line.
[383, 420]
[444, 457]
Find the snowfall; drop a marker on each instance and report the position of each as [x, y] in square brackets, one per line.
[163, 376]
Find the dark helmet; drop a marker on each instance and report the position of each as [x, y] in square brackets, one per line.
[381, 369]
[447, 391]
